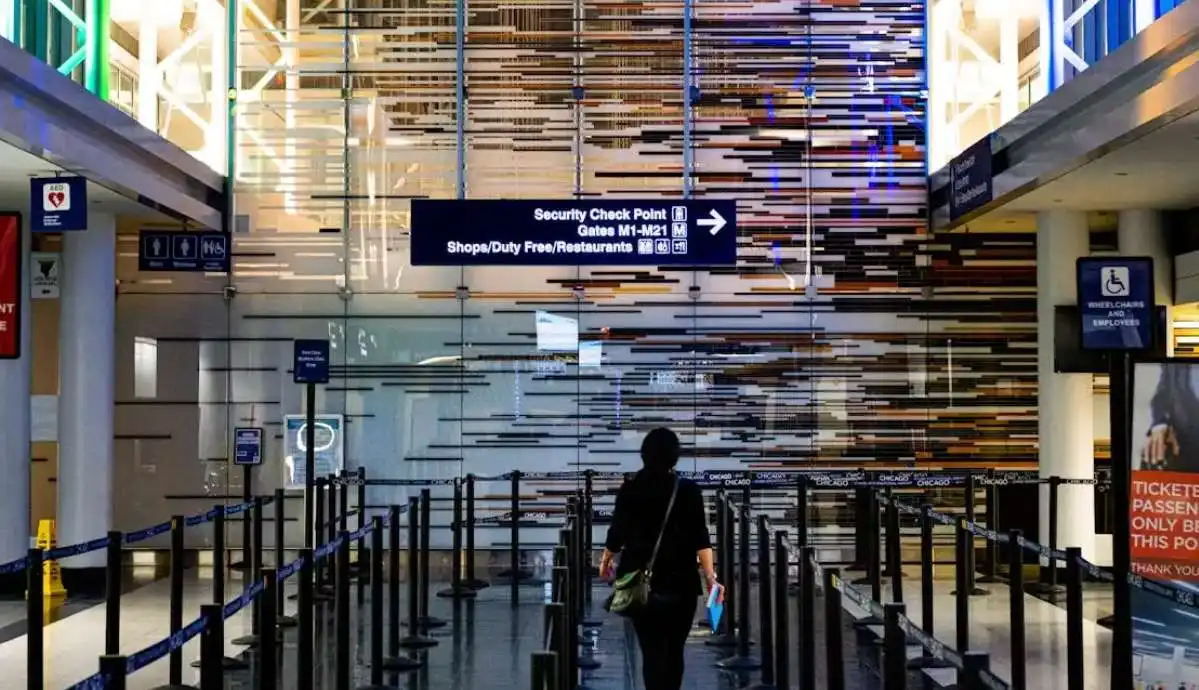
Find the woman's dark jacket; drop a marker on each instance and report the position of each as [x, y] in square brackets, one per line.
[640, 507]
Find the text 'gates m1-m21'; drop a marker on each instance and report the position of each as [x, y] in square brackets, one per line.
[511, 232]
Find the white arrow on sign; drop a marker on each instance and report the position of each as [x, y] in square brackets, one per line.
[714, 223]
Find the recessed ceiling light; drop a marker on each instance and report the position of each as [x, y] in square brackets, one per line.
[1057, 201]
[1121, 174]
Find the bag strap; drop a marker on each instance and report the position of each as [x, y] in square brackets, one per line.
[649, 567]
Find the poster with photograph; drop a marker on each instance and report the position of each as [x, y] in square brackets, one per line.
[1164, 516]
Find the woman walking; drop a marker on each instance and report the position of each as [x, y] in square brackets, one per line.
[659, 528]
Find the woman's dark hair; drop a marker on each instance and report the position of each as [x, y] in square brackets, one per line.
[660, 450]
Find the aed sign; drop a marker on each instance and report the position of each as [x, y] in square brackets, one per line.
[58, 204]
[1116, 303]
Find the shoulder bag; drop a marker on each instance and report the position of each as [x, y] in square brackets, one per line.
[631, 592]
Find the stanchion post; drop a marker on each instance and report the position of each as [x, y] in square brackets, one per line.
[723, 636]
[992, 547]
[395, 661]
[807, 619]
[175, 606]
[341, 629]
[343, 501]
[1075, 668]
[35, 647]
[427, 620]
[1016, 606]
[782, 622]
[894, 551]
[962, 585]
[255, 563]
[305, 641]
[316, 530]
[414, 640]
[765, 605]
[874, 550]
[472, 579]
[247, 539]
[376, 575]
[514, 568]
[741, 660]
[834, 649]
[927, 597]
[895, 659]
[218, 555]
[459, 588]
[801, 511]
[268, 660]
[861, 528]
[280, 518]
[112, 670]
[212, 648]
[1049, 570]
[973, 663]
[112, 594]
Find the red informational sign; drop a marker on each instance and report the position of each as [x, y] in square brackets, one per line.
[10, 286]
[1165, 524]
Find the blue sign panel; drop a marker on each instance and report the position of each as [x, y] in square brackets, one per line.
[582, 232]
[1116, 302]
[247, 445]
[58, 204]
[311, 361]
[180, 250]
[970, 179]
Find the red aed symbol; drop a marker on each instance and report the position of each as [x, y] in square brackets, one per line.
[56, 198]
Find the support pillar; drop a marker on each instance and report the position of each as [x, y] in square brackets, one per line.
[149, 76]
[85, 423]
[1140, 233]
[15, 382]
[1065, 424]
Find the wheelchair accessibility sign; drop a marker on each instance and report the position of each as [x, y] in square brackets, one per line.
[1116, 303]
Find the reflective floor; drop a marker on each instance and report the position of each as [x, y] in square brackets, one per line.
[488, 643]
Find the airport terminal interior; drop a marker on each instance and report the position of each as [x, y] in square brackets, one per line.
[330, 331]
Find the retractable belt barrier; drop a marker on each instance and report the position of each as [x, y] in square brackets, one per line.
[211, 620]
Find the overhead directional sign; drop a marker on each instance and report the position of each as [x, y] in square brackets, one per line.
[591, 232]
[1116, 302]
[180, 250]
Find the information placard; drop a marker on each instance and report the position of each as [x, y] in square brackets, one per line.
[311, 361]
[247, 445]
[970, 179]
[1116, 303]
[57, 204]
[585, 232]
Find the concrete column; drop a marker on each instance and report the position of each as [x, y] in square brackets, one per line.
[85, 422]
[1140, 233]
[1065, 420]
[15, 378]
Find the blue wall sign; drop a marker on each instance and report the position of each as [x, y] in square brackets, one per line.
[1116, 302]
[180, 250]
[970, 179]
[311, 361]
[586, 232]
[247, 445]
[58, 204]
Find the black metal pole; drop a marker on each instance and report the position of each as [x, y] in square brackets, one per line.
[218, 556]
[305, 644]
[414, 640]
[280, 518]
[1049, 587]
[472, 579]
[458, 589]
[927, 597]
[807, 619]
[254, 571]
[268, 660]
[35, 650]
[112, 669]
[1075, 668]
[801, 511]
[212, 648]
[247, 539]
[343, 500]
[427, 621]
[112, 594]
[861, 527]
[331, 526]
[376, 642]
[1120, 409]
[973, 663]
[724, 635]
[962, 585]
[514, 570]
[834, 649]
[318, 531]
[341, 628]
[992, 547]
[396, 661]
[894, 551]
[1016, 620]
[360, 567]
[175, 607]
[765, 604]
[895, 660]
[782, 622]
[741, 660]
[874, 551]
[312, 512]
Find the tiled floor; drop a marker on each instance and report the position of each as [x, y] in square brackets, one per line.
[488, 643]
